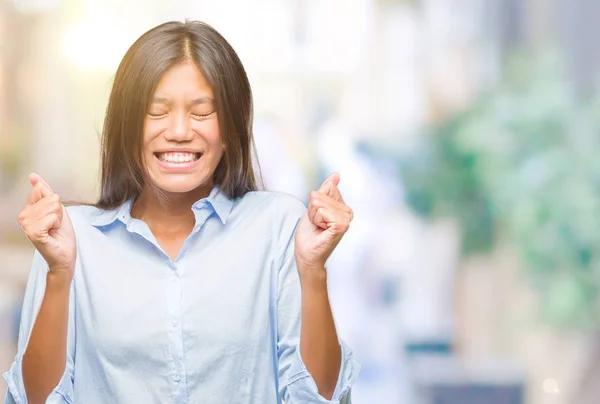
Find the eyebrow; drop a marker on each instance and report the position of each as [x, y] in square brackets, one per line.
[197, 101]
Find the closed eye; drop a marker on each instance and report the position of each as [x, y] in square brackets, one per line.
[159, 115]
[202, 116]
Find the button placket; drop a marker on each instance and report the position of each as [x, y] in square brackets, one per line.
[175, 332]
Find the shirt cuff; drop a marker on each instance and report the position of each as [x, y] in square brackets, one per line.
[62, 394]
[303, 389]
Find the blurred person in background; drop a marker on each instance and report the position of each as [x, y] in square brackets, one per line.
[183, 283]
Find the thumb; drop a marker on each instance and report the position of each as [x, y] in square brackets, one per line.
[36, 179]
[335, 178]
[326, 186]
[40, 189]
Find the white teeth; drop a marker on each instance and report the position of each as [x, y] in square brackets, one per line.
[177, 157]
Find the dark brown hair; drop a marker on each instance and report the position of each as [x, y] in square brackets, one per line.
[123, 173]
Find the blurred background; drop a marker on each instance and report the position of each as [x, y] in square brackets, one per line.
[465, 132]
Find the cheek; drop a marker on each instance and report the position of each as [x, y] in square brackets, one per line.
[151, 130]
[212, 135]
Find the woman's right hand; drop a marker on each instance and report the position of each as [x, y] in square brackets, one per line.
[48, 226]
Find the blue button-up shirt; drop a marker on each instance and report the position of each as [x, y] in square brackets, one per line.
[220, 324]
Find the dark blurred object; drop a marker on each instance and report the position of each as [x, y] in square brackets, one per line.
[573, 24]
[578, 30]
[476, 394]
[429, 347]
[448, 380]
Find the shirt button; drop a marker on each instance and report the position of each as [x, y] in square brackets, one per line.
[177, 378]
[174, 323]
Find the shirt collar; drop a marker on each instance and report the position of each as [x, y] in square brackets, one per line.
[217, 200]
[221, 204]
[107, 217]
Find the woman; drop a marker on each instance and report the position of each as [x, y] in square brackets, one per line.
[183, 283]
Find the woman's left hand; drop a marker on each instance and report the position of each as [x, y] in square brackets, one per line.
[322, 227]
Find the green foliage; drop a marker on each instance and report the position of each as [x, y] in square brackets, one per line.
[523, 164]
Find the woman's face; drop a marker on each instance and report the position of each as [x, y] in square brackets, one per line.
[182, 143]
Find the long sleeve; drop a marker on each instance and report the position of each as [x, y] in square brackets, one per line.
[296, 385]
[36, 286]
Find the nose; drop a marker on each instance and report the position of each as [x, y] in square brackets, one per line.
[179, 129]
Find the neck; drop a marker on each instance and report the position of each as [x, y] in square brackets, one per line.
[171, 214]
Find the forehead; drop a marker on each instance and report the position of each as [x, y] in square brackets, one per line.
[183, 80]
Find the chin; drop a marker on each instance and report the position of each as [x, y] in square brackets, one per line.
[182, 185]
[177, 188]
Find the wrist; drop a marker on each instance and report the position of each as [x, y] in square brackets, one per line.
[63, 269]
[58, 279]
[314, 278]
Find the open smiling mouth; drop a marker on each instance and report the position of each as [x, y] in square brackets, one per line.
[177, 157]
